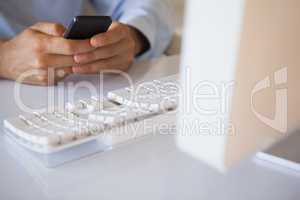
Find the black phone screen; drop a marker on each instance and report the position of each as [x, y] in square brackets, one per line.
[85, 27]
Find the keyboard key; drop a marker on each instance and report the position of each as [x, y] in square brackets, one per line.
[149, 96]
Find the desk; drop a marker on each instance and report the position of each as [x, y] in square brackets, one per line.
[150, 168]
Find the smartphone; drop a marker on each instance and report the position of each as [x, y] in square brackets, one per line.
[85, 27]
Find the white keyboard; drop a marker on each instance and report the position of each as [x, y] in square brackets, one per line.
[90, 119]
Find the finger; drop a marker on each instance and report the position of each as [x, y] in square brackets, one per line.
[117, 62]
[53, 61]
[115, 33]
[62, 73]
[49, 28]
[52, 78]
[38, 78]
[59, 45]
[104, 52]
[43, 77]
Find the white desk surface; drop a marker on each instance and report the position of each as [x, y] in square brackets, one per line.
[149, 168]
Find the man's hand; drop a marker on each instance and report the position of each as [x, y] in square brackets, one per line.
[115, 49]
[40, 48]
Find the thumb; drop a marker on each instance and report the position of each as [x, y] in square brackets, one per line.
[49, 28]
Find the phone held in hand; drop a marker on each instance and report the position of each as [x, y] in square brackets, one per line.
[85, 27]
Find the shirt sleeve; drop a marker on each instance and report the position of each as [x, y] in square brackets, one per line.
[9, 27]
[153, 18]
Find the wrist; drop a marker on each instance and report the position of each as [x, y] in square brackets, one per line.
[141, 42]
[2, 41]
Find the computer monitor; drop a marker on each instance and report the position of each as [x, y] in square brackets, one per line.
[240, 74]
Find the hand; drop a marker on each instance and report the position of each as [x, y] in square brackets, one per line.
[40, 48]
[115, 49]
